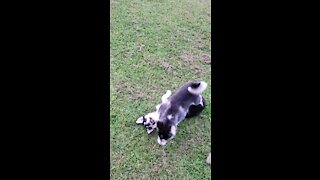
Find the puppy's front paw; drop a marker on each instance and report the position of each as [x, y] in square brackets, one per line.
[149, 131]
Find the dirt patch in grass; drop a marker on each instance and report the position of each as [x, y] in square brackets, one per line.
[199, 64]
[192, 143]
[165, 158]
[193, 60]
[135, 92]
[206, 58]
[167, 66]
[170, 168]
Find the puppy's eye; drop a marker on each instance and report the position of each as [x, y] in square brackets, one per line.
[151, 121]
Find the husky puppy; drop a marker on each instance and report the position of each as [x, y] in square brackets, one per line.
[150, 120]
[175, 109]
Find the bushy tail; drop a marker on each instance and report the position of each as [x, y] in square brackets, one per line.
[197, 87]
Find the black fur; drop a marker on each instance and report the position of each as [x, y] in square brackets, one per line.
[195, 85]
[164, 130]
[195, 110]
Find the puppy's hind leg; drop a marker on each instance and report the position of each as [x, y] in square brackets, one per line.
[166, 96]
[201, 102]
[198, 101]
[157, 107]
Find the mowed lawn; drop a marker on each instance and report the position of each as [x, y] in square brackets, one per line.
[158, 45]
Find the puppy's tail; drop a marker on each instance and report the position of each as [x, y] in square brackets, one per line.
[197, 87]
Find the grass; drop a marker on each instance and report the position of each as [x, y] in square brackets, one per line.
[158, 45]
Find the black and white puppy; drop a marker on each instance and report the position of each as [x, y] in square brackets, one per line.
[150, 120]
[175, 109]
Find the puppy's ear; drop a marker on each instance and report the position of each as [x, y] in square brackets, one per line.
[140, 120]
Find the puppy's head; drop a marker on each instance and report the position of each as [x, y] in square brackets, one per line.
[166, 131]
[150, 124]
[149, 121]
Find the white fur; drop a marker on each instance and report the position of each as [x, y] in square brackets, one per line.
[139, 120]
[157, 107]
[173, 131]
[166, 96]
[199, 90]
[162, 142]
[154, 116]
[201, 102]
[169, 117]
[149, 131]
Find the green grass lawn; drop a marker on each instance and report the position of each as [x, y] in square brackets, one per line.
[158, 45]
